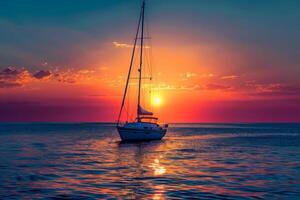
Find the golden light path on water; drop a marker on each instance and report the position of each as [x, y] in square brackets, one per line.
[158, 169]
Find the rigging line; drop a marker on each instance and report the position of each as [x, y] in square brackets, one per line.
[128, 105]
[149, 62]
[149, 45]
[131, 62]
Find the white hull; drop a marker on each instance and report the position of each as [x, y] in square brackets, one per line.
[130, 134]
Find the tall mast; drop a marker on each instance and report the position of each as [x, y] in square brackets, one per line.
[130, 67]
[141, 62]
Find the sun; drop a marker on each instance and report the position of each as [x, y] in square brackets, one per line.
[156, 101]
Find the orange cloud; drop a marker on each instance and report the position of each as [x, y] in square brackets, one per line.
[188, 75]
[277, 89]
[11, 77]
[124, 45]
[215, 86]
[230, 77]
[42, 74]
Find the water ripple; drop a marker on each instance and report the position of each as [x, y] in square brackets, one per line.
[66, 161]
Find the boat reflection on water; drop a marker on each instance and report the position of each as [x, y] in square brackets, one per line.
[146, 157]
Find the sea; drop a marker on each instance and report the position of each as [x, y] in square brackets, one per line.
[193, 161]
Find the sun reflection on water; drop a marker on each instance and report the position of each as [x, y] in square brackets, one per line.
[159, 192]
[158, 169]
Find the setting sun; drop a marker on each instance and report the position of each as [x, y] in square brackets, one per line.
[156, 101]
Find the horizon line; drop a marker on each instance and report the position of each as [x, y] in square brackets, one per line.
[107, 122]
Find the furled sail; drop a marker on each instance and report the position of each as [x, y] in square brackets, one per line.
[142, 111]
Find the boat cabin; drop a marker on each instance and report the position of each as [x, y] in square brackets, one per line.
[147, 119]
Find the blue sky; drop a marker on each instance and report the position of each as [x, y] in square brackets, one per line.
[29, 27]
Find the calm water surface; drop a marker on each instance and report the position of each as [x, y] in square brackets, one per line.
[205, 161]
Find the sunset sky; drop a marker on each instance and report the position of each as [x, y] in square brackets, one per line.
[215, 61]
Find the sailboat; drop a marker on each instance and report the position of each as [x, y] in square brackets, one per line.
[145, 127]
